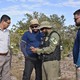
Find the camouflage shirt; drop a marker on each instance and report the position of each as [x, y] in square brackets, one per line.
[54, 39]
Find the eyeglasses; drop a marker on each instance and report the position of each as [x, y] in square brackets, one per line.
[76, 18]
[34, 26]
[7, 22]
[42, 29]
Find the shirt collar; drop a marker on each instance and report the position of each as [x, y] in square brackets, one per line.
[3, 30]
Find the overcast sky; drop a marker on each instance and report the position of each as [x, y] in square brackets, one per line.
[17, 8]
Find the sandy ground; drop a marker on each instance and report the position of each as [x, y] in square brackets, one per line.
[67, 68]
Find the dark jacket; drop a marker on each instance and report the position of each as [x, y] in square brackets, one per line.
[30, 39]
[76, 49]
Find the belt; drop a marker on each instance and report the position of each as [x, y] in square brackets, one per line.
[3, 54]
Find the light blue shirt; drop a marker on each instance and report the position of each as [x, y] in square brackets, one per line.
[4, 40]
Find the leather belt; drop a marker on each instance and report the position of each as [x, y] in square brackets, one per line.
[3, 54]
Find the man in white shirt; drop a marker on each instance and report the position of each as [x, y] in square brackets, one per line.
[4, 48]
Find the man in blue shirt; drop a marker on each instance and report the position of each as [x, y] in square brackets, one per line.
[31, 38]
[76, 48]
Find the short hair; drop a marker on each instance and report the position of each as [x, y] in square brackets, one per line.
[5, 18]
[76, 12]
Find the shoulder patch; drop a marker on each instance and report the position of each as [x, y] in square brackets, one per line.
[54, 40]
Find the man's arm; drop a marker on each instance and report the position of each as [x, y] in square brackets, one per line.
[23, 47]
[47, 50]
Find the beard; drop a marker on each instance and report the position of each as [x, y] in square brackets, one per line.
[35, 31]
[77, 24]
[46, 33]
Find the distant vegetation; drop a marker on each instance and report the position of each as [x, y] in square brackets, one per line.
[58, 22]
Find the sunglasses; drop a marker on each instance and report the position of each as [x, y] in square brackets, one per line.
[35, 26]
[44, 28]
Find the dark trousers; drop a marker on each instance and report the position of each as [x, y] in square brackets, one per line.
[29, 65]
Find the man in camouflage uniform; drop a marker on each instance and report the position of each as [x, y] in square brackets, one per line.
[50, 52]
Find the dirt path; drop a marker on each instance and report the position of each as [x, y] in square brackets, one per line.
[66, 66]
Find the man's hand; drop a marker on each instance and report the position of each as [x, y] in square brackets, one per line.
[33, 49]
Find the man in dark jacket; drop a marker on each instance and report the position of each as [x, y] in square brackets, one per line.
[76, 48]
[31, 38]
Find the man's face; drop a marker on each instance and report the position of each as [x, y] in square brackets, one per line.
[34, 27]
[45, 31]
[77, 19]
[6, 23]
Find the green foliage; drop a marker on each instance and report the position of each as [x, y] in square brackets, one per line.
[67, 32]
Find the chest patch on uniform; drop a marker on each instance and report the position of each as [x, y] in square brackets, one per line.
[54, 40]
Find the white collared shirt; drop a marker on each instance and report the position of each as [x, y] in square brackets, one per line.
[4, 40]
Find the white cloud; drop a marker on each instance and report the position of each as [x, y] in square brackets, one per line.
[70, 0]
[11, 0]
[36, 1]
[30, 7]
[27, 8]
[23, 0]
[72, 3]
[16, 0]
[69, 3]
[13, 11]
